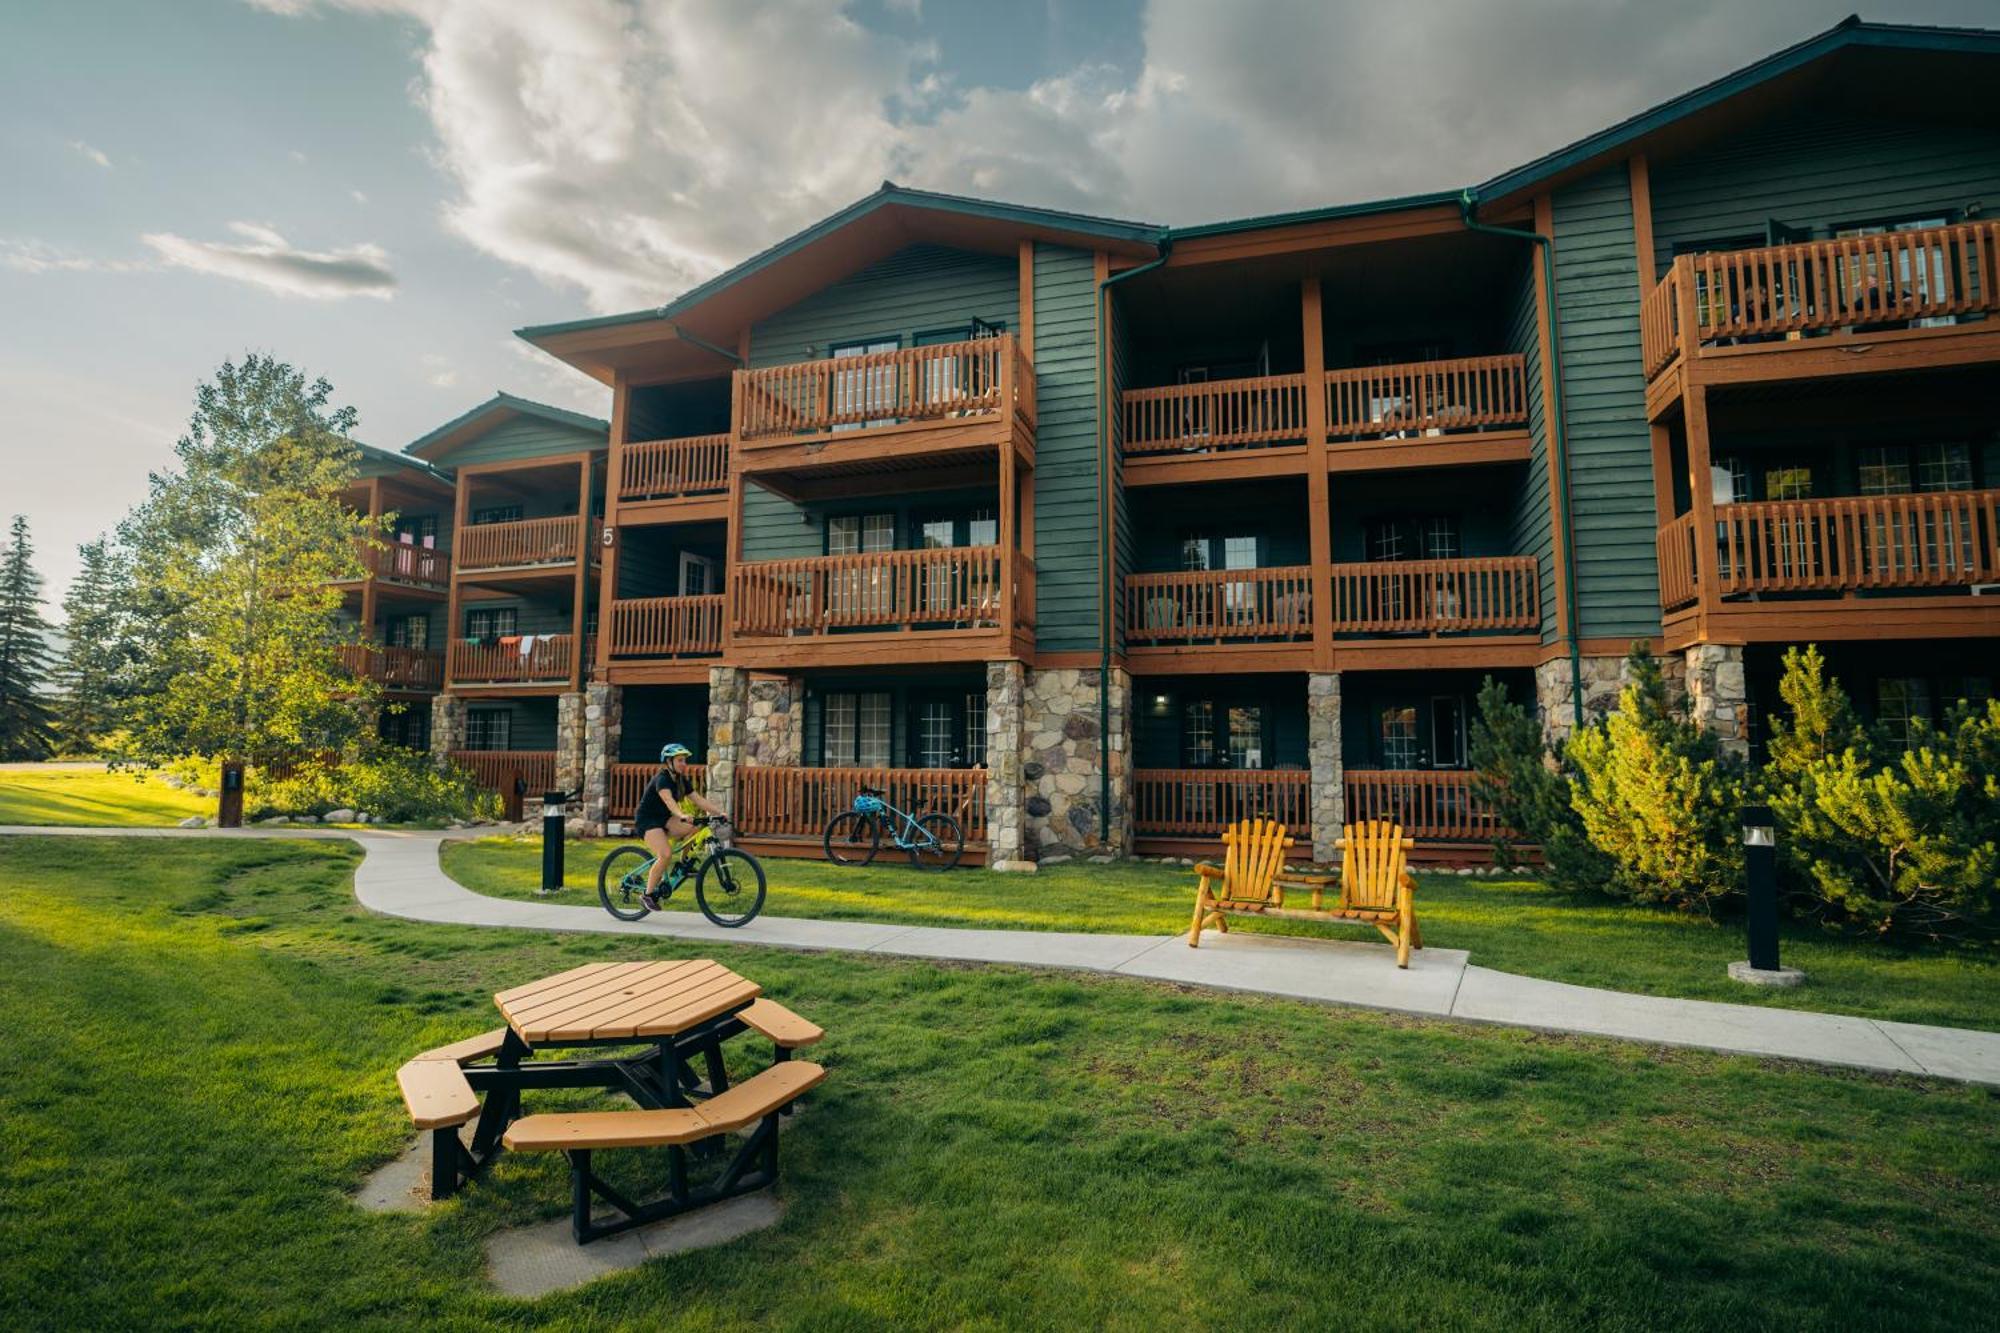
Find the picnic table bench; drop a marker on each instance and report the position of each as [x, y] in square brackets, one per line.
[679, 1012]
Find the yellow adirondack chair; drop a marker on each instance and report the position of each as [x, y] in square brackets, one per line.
[1375, 885]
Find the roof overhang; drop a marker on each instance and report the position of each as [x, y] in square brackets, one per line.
[495, 412]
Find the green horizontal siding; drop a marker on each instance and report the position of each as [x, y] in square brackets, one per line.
[1066, 478]
[1530, 530]
[1604, 390]
[520, 438]
[533, 721]
[531, 615]
[1820, 170]
[915, 290]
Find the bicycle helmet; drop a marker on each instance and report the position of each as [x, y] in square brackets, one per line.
[674, 750]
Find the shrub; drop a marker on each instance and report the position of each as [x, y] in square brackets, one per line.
[1529, 792]
[1903, 840]
[389, 783]
[1658, 799]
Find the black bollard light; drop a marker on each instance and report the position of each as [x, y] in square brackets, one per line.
[1760, 874]
[552, 840]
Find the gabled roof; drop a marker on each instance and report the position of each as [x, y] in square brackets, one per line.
[497, 411]
[402, 463]
[871, 228]
[1850, 34]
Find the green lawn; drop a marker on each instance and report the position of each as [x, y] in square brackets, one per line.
[1516, 925]
[94, 797]
[198, 1076]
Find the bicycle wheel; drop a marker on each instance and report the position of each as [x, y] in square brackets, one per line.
[621, 879]
[730, 888]
[852, 839]
[938, 843]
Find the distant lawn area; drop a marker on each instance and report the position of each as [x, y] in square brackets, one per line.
[1513, 924]
[94, 797]
[203, 1070]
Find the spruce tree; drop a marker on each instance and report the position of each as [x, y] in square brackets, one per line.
[25, 730]
[95, 659]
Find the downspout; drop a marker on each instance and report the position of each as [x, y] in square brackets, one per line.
[1468, 200]
[703, 343]
[1105, 534]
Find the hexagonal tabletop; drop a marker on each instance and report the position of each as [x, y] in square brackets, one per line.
[601, 1001]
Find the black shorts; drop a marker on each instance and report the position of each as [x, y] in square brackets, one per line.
[639, 830]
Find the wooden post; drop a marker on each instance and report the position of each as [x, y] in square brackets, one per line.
[368, 575]
[607, 587]
[1026, 332]
[735, 533]
[1545, 325]
[580, 592]
[1642, 221]
[1663, 475]
[461, 503]
[1008, 480]
[1319, 500]
[1708, 574]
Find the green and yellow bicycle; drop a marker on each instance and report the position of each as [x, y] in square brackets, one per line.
[728, 881]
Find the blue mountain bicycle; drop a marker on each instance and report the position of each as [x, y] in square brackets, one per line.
[933, 841]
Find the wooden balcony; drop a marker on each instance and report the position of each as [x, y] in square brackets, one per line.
[1495, 594]
[1215, 606]
[628, 783]
[663, 630]
[545, 544]
[509, 771]
[795, 803]
[397, 670]
[672, 469]
[1199, 803]
[801, 424]
[1432, 805]
[422, 568]
[967, 603]
[546, 661]
[1913, 299]
[1854, 567]
[1466, 410]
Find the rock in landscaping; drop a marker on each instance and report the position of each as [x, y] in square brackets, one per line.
[1054, 860]
[1102, 860]
[340, 816]
[193, 821]
[173, 782]
[269, 822]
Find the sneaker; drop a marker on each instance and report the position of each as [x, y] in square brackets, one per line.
[652, 903]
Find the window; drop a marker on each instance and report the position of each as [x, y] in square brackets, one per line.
[1903, 707]
[497, 514]
[489, 622]
[856, 534]
[1920, 276]
[856, 730]
[421, 529]
[1198, 734]
[1788, 483]
[937, 533]
[869, 390]
[412, 631]
[1437, 538]
[1944, 467]
[700, 575]
[1246, 737]
[1387, 541]
[1447, 731]
[489, 729]
[1728, 480]
[1399, 736]
[1884, 470]
[983, 528]
[407, 727]
[936, 732]
[975, 728]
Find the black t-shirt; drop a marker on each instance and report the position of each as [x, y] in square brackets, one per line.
[662, 797]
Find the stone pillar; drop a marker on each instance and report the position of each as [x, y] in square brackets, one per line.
[603, 719]
[1603, 678]
[1065, 751]
[447, 725]
[1006, 821]
[728, 694]
[1718, 697]
[569, 741]
[773, 722]
[1329, 781]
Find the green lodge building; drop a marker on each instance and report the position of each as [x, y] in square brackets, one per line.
[1101, 534]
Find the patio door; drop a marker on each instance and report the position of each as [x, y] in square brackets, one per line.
[865, 594]
[872, 389]
[700, 575]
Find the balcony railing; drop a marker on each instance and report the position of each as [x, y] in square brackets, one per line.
[945, 381]
[1218, 606]
[1426, 398]
[798, 802]
[1896, 279]
[1938, 539]
[664, 469]
[1437, 596]
[395, 668]
[1218, 414]
[1201, 802]
[667, 626]
[403, 562]
[544, 658]
[628, 783]
[1432, 805]
[1676, 552]
[500, 770]
[944, 588]
[524, 543]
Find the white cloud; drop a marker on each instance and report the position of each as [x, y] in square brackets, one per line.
[28, 255]
[358, 197]
[297, 156]
[266, 259]
[95, 155]
[439, 372]
[630, 148]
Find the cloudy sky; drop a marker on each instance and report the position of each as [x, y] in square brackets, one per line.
[381, 190]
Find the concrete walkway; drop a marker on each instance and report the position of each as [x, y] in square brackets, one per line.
[399, 876]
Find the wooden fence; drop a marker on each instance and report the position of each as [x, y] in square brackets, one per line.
[498, 770]
[793, 802]
[1216, 414]
[1437, 596]
[1934, 539]
[1426, 397]
[1201, 802]
[529, 541]
[662, 469]
[395, 668]
[667, 626]
[547, 659]
[628, 781]
[1215, 606]
[1432, 805]
[980, 377]
[948, 586]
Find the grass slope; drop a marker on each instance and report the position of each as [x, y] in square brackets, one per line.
[94, 797]
[196, 1078]
[1520, 926]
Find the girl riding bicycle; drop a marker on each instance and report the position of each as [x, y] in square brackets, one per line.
[663, 816]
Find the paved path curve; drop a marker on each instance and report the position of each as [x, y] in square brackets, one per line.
[399, 876]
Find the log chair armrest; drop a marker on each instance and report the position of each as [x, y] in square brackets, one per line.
[1207, 871]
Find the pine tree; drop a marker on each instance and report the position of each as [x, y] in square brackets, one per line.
[99, 651]
[25, 731]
